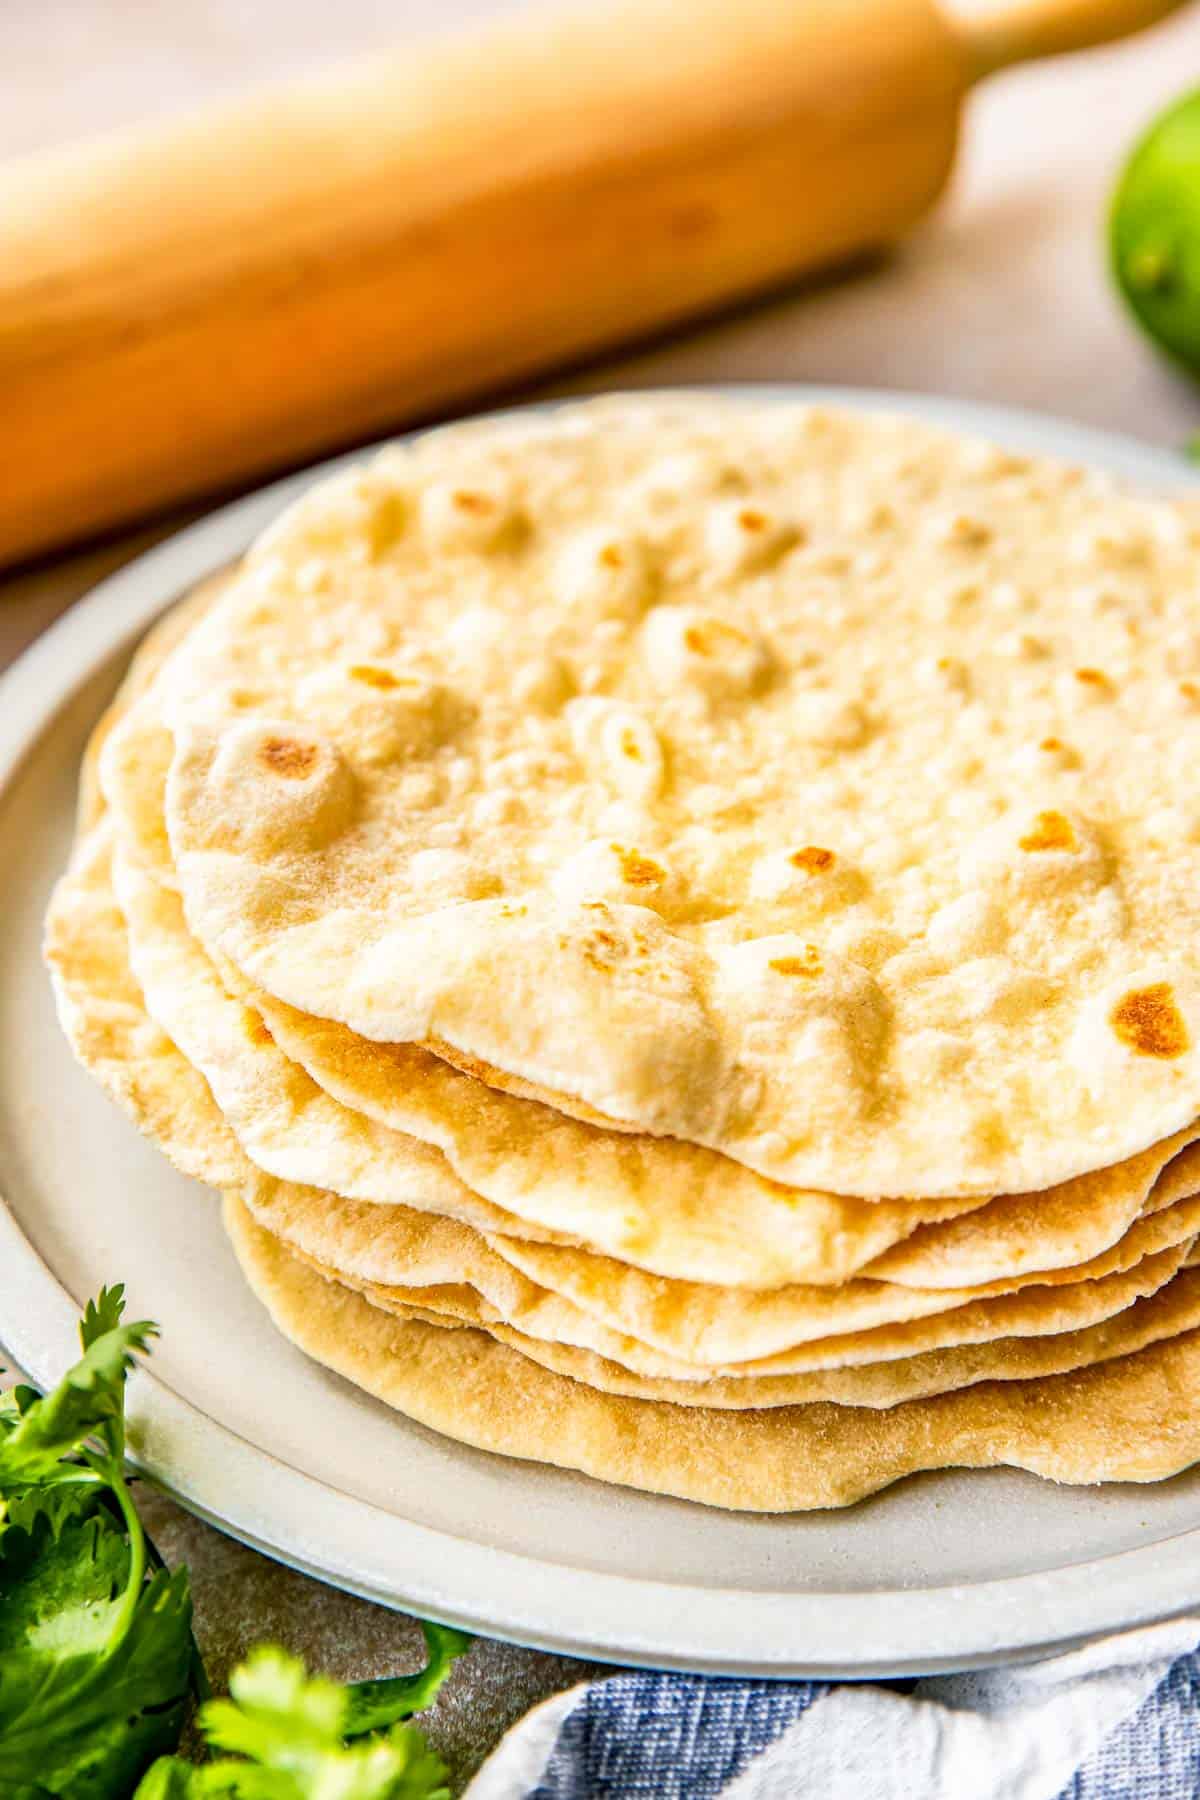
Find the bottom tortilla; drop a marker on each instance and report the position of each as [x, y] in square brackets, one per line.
[1135, 1418]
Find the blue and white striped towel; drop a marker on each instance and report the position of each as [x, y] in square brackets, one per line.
[1119, 1720]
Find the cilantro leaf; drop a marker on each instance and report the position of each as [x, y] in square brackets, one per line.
[101, 1315]
[89, 1400]
[21, 1510]
[84, 1710]
[58, 1557]
[96, 1651]
[291, 1728]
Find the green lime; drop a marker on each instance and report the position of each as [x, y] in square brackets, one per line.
[1154, 232]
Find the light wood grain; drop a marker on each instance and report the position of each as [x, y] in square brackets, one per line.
[196, 302]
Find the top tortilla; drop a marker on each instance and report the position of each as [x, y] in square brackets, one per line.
[822, 785]
[658, 1203]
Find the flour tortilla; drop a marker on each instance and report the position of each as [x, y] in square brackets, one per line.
[102, 1012]
[666, 1207]
[1174, 1306]
[388, 1255]
[295, 1131]
[1135, 1418]
[990, 1239]
[717, 1326]
[710, 1330]
[703, 1324]
[758, 876]
[1065, 1225]
[169, 1099]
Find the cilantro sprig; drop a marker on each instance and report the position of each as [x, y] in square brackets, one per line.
[98, 1665]
[96, 1649]
[291, 1731]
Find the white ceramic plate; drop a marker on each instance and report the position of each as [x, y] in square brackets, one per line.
[943, 1571]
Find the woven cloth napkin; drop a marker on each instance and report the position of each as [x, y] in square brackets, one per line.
[1118, 1719]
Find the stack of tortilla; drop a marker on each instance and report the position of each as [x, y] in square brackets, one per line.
[673, 924]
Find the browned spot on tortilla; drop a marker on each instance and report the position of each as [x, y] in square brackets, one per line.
[468, 500]
[1190, 690]
[630, 746]
[807, 963]
[813, 859]
[1051, 743]
[602, 949]
[612, 556]
[374, 677]
[636, 869]
[750, 519]
[710, 636]
[1050, 831]
[289, 757]
[1148, 1020]
[1095, 678]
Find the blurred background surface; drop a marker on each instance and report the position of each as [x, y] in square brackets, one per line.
[1002, 295]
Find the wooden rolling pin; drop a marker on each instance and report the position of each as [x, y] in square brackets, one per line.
[182, 307]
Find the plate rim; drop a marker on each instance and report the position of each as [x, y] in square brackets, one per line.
[301, 1521]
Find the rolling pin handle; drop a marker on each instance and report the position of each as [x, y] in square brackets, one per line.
[1014, 31]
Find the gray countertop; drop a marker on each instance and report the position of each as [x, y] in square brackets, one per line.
[1001, 296]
